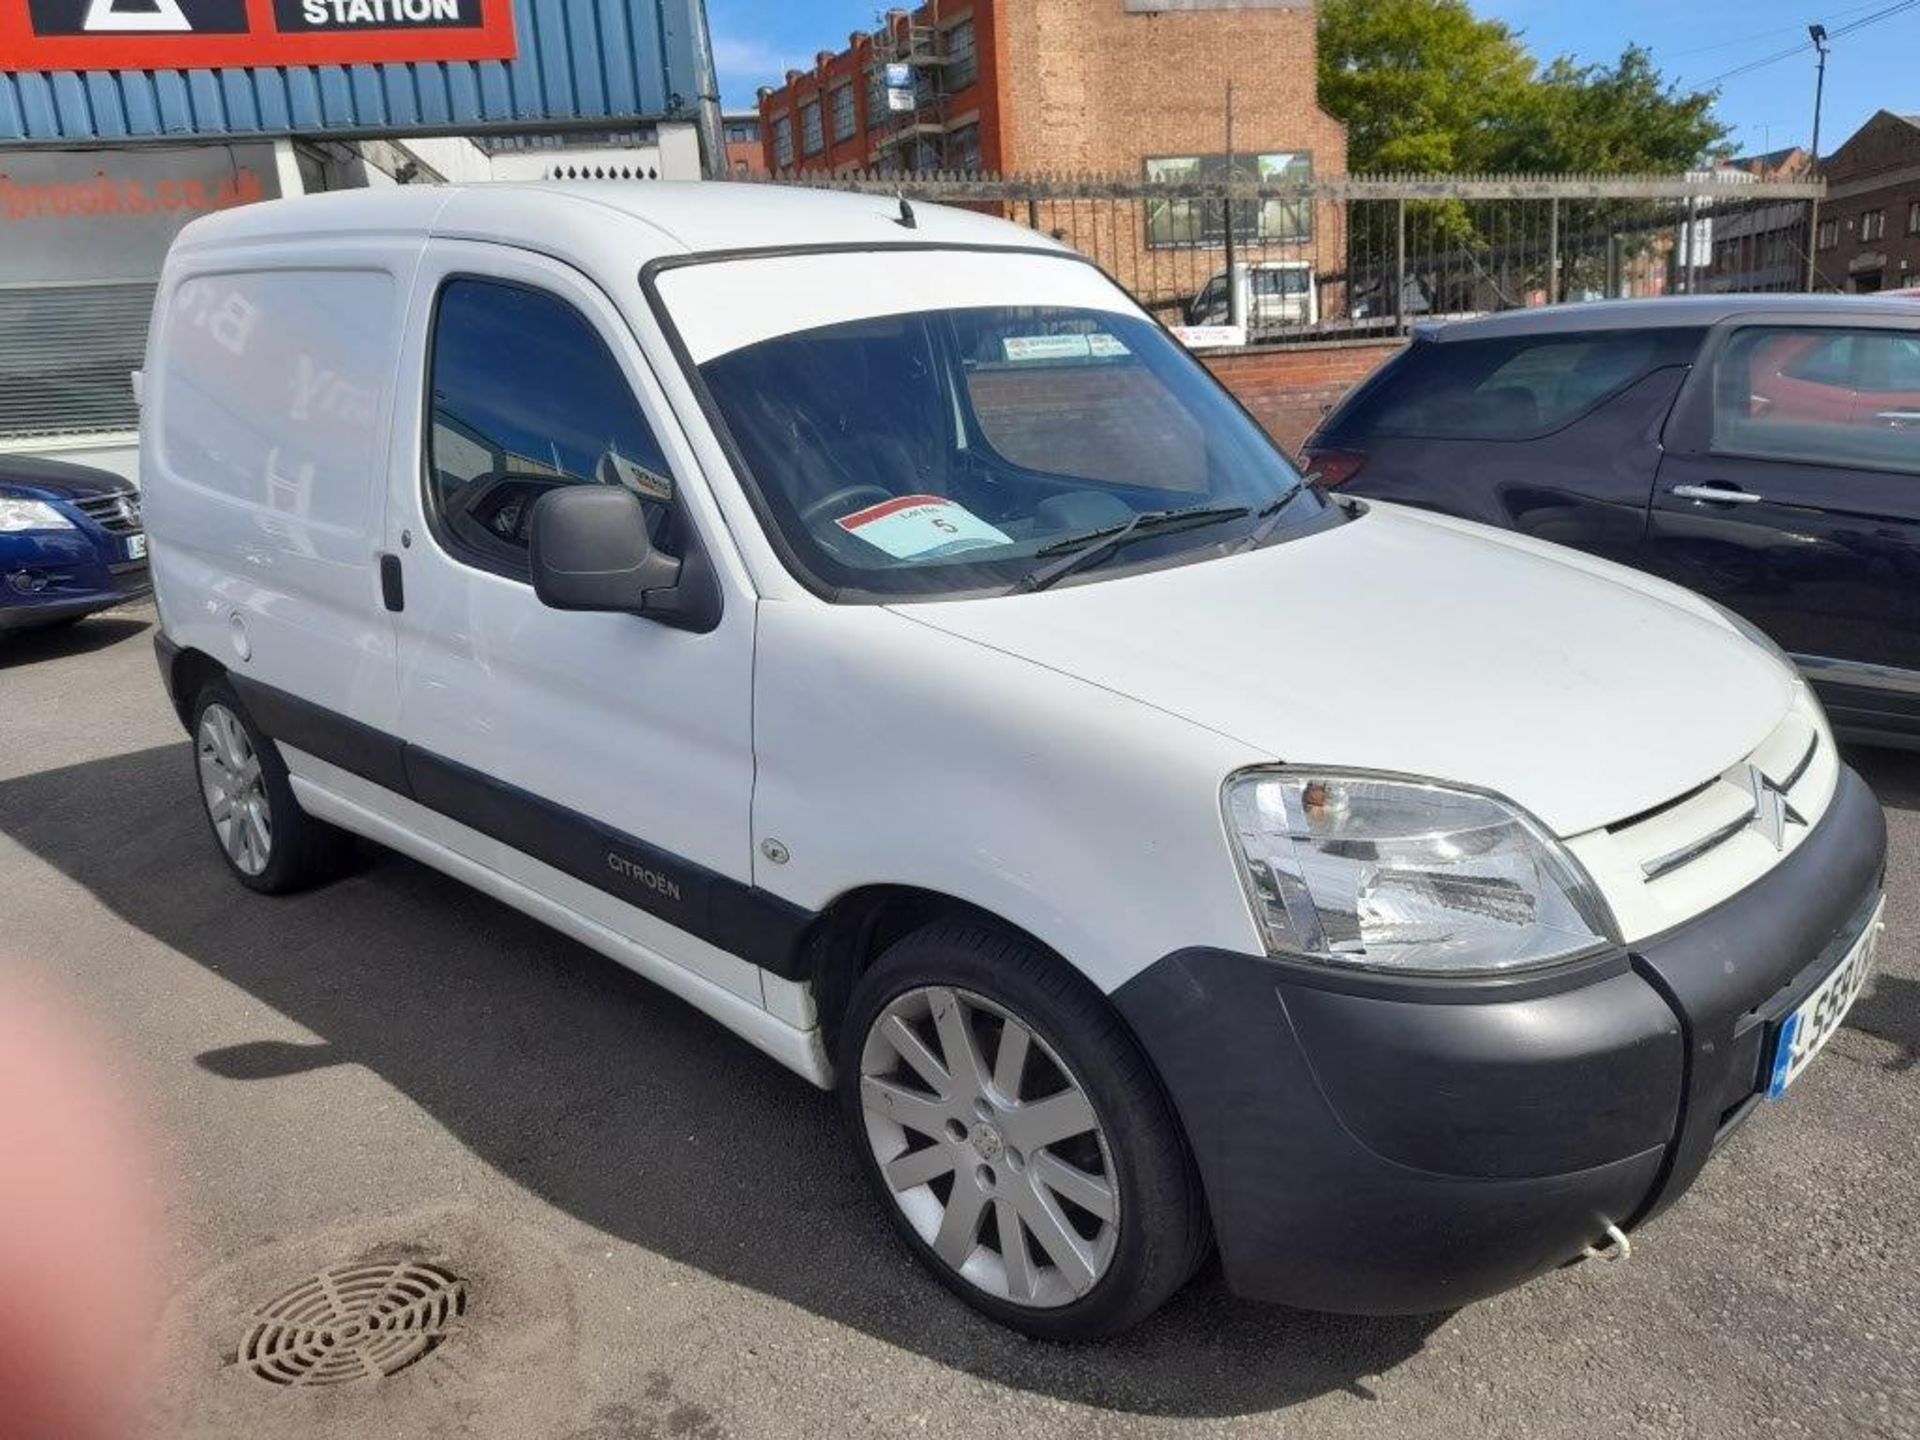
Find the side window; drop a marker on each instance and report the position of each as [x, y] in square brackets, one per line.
[1903, 365]
[1515, 389]
[1824, 361]
[526, 397]
[1280, 282]
[1820, 397]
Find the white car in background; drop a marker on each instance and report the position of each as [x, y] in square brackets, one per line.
[865, 621]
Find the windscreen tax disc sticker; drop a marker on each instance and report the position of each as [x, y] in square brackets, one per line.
[919, 527]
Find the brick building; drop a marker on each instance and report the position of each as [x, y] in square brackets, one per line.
[1131, 89]
[1869, 233]
[1788, 164]
[1038, 86]
[740, 132]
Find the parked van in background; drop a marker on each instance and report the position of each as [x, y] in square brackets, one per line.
[862, 619]
[1274, 295]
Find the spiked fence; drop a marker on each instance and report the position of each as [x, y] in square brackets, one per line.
[1346, 256]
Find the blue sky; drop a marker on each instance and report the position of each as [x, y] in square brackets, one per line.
[755, 41]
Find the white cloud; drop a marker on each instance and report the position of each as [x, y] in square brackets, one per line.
[745, 63]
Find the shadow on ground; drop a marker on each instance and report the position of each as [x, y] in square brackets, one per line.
[610, 1099]
[57, 642]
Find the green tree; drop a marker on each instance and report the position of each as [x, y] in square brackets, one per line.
[1611, 119]
[1425, 85]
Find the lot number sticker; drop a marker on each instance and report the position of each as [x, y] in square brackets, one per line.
[919, 527]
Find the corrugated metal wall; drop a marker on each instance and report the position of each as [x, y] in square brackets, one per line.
[578, 60]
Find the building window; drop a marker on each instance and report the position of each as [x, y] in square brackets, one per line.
[742, 132]
[1829, 236]
[1182, 223]
[844, 120]
[1873, 225]
[963, 59]
[783, 142]
[963, 148]
[813, 139]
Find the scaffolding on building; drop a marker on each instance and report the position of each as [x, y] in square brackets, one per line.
[912, 137]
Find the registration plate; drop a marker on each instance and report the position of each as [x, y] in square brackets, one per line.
[1806, 1031]
[136, 547]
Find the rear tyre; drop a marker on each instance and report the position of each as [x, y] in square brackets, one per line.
[1016, 1134]
[269, 843]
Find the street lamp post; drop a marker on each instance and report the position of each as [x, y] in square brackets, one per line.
[1819, 37]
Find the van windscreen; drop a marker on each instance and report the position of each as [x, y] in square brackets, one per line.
[949, 451]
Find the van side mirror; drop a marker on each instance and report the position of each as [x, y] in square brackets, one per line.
[589, 550]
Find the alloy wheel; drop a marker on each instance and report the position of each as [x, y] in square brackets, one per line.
[990, 1146]
[234, 789]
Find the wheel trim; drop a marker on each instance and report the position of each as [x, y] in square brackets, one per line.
[234, 789]
[943, 1115]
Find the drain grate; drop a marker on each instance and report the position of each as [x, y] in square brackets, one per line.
[353, 1322]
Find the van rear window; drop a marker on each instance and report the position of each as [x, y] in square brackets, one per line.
[1516, 388]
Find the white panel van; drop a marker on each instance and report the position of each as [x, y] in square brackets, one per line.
[865, 621]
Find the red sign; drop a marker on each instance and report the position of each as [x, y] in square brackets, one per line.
[235, 34]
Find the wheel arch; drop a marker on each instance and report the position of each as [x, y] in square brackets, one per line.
[187, 671]
[857, 928]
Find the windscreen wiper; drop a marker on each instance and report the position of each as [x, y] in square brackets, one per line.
[1099, 545]
[1272, 513]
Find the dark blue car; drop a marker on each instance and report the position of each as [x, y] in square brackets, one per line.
[1763, 450]
[71, 542]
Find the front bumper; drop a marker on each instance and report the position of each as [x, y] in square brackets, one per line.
[1376, 1147]
[54, 575]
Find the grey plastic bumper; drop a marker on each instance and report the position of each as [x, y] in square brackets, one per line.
[1375, 1148]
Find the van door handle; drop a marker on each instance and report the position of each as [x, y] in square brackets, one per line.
[1716, 494]
[393, 590]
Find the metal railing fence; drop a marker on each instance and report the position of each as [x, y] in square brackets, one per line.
[1354, 256]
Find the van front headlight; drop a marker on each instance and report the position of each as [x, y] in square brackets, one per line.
[1407, 877]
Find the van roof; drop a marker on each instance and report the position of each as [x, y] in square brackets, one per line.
[654, 218]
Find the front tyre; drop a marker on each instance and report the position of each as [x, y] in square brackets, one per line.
[1017, 1136]
[269, 843]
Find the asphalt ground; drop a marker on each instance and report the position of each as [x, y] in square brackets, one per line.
[664, 1234]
